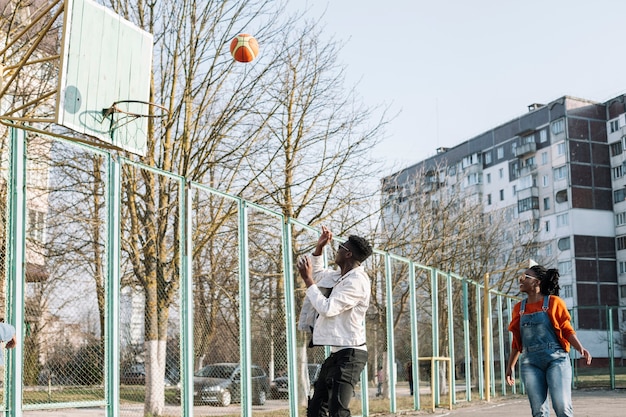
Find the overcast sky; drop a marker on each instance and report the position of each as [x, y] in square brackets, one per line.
[456, 68]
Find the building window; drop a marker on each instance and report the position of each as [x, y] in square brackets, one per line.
[488, 199]
[489, 178]
[622, 267]
[544, 158]
[621, 242]
[36, 225]
[618, 195]
[622, 292]
[616, 148]
[561, 196]
[562, 220]
[548, 250]
[501, 173]
[560, 149]
[563, 244]
[500, 152]
[560, 173]
[546, 203]
[558, 126]
[565, 267]
[617, 172]
[567, 291]
[543, 136]
[501, 195]
[614, 124]
[620, 218]
[547, 225]
[488, 157]
[545, 180]
[526, 204]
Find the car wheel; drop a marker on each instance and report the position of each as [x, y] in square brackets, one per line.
[261, 397]
[225, 398]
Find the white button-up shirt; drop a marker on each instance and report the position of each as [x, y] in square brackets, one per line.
[341, 317]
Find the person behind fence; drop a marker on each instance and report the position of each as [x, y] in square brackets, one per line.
[409, 375]
[7, 335]
[379, 380]
[542, 336]
[339, 321]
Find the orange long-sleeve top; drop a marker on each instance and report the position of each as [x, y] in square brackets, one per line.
[559, 317]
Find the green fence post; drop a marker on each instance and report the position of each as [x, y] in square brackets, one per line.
[466, 342]
[17, 261]
[391, 356]
[290, 312]
[451, 337]
[434, 295]
[414, 338]
[112, 342]
[186, 300]
[611, 346]
[244, 320]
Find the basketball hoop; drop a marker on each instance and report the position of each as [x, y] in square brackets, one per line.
[130, 110]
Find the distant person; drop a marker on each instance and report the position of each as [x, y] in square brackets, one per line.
[409, 375]
[7, 335]
[379, 379]
[542, 333]
[339, 321]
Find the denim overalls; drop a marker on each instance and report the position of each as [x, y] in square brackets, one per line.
[545, 365]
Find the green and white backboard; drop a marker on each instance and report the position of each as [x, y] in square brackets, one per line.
[104, 59]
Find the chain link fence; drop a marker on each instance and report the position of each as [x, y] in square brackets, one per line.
[144, 291]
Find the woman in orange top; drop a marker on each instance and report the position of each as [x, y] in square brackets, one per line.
[542, 334]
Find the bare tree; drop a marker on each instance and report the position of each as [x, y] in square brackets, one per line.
[434, 218]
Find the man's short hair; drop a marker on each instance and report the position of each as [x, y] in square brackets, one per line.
[360, 247]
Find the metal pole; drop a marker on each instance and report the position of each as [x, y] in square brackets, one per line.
[486, 338]
[391, 357]
[245, 344]
[112, 356]
[186, 296]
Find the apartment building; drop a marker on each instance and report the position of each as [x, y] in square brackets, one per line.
[560, 170]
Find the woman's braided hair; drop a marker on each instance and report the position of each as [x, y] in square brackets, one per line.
[549, 279]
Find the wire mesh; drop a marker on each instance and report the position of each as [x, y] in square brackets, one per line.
[241, 269]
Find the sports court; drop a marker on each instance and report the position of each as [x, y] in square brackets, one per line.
[587, 403]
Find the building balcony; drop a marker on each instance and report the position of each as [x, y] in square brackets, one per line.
[525, 149]
[528, 169]
[527, 193]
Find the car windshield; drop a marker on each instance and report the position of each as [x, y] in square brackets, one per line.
[216, 371]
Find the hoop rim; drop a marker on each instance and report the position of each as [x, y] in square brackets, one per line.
[114, 109]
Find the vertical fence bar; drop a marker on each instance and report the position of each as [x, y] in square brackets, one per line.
[245, 344]
[466, 342]
[391, 351]
[451, 362]
[15, 282]
[414, 338]
[479, 343]
[509, 309]
[186, 301]
[611, 346]
[290, 310]
[434, 288]
[501, 343]
[112, 358]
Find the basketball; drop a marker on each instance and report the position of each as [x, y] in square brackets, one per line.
[244, 48]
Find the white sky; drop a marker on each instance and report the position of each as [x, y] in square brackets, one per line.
[456, 68]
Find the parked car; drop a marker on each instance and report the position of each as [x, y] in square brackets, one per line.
[220, 384]
[280, 385]
[136, 375]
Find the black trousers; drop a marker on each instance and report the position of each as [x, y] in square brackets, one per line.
[334, 387]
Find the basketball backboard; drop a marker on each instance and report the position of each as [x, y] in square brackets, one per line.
[104, 59]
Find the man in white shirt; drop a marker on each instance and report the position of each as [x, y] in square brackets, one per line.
[340, 321]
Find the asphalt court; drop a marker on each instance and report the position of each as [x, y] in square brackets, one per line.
[587, 403]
